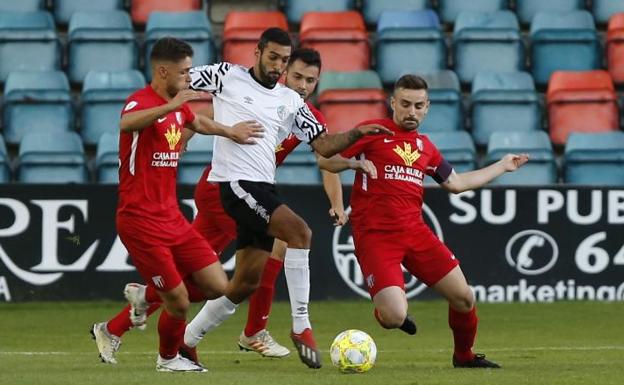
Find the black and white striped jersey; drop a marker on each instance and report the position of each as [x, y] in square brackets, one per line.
[239, 97]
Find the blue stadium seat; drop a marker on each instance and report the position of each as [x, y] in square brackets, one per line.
[541, 167]
[347, 177]
[46, 157]
[100, 40]
[294, 9]
[195, 159]
[526, 9]
[5, 175]
[604, 9]
[408, 42]
[22, 5]
[299, 167]
[36, 102]
[457, 148]
[372, 9]
[107, 158]
[192, 27]
[450, 9]
[497, 96]
[486, 41]
[595, 159]
[563, 42]
[64, 9]
[103, 96]
[28, 42]
[445, 113]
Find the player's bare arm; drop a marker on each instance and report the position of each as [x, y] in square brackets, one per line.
[136, 121]
[457, 183]
[337, 163]
[242, 133]
[329, 145]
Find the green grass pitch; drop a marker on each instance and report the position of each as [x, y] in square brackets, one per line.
[560, 343]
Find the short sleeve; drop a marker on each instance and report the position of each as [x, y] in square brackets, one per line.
[306, 126]
[189, 116]
[209, 78]
[136, 102]
[438, 168]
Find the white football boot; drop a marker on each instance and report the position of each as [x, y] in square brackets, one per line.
[262, 343]
[178, 364]
[135, 295]
[107, 343]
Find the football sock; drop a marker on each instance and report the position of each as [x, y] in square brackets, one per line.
[121, 323]
[261, 300]
[297, 271]
[464, 327]
[151, 295]
[211, 315]
[170, 330]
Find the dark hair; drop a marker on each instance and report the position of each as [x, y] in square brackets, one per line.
[411, 82]
[171, 49]
[275, 35]
[309, 56]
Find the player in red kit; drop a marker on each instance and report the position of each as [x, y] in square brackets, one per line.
[164, 247]
[388, 227]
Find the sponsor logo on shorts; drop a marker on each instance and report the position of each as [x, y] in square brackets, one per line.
[370, 281]
[158, 281]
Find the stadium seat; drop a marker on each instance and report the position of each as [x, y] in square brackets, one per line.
[349, 98]
[5, 175]
[604, 9]
[581, 102]
[100, 40]
[192, 27]
[107, 158]
[22, 5]
[595, 159]
[497, 96]
[445, 112]
[563, 42]
[295, 9]
[372, 9]
[450, 9]
[409, 42]
[103, 97]
[36, 102]
[541, 168]
[28, 42]
[615, 48]
[195, 159]
[64, 9]
[457, 148]
[46, 157]
[141, 10]
[526, 9]
[242, 31]
[340, 38]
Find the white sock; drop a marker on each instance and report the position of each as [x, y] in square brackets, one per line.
[211, 315]
[297, 270]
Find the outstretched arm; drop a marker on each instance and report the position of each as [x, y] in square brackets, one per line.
[329, 145]
[339, 163]
[465, 181]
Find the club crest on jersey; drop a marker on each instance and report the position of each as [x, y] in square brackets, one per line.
[406, 153]
[173, 136]
[178, 115]
[281, 112]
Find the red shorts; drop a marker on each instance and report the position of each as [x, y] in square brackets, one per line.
[164, 252]
[218, 228]
[381, 253]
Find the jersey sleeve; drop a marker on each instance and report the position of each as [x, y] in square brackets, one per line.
[209, 78]
[136, 102]
[189, 116]
[306, 126]
[438, 168]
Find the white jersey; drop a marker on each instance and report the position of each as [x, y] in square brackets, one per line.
[239, 97]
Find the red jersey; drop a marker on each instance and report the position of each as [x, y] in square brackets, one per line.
[149, 160]
[395, 198]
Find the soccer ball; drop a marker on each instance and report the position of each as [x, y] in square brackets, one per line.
[353, 351]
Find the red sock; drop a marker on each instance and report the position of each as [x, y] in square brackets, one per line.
[171, 332]
[464, 326]
[120, 323]
[260, 302]
[151, 295]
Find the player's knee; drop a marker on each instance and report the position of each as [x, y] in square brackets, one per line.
[178, 307]
[464, 302]
[391, 318]
[299, 235]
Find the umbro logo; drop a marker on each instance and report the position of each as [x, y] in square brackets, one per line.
[248, 100]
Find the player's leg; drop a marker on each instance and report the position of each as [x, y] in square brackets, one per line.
[391, 309]
[255, 337]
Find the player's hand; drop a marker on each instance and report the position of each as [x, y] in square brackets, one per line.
[339, 216]
[374, 129]
[245, 132]
[365, 166]
[183, 97]
[512, 162]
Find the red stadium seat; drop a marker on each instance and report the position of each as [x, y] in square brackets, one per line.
[340, 37]
[141, 9]
[242, 31]
[201, 104]
[581, 102]
[345, 108]
[615, 48]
